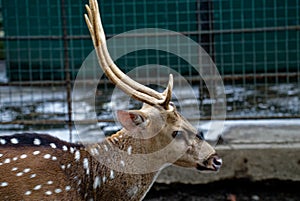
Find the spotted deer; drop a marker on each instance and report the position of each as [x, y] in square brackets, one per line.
[121, 167]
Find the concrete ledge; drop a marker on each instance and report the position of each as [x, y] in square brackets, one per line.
[256, 152]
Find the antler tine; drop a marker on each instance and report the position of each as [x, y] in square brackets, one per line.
[168, 93]
[125, 83]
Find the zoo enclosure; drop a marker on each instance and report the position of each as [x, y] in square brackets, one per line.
[255, 45]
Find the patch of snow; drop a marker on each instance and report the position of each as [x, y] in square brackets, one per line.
[52, 108]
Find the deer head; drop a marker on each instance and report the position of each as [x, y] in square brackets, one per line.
[157, 124]
[40, 167]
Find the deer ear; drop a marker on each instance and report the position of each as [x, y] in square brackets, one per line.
[130, 119]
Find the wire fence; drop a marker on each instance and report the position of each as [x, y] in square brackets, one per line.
[255, 45]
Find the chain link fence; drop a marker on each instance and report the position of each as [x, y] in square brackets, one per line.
[255, 45]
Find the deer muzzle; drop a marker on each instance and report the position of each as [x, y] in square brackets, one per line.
[213, 163]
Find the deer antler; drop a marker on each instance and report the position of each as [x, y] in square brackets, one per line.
[121, 80]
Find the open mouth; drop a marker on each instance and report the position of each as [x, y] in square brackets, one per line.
[207, 168]
[212, 164]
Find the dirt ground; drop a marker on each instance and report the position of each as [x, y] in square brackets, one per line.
[231, 190]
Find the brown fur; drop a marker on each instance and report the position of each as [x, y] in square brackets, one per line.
[69, 171]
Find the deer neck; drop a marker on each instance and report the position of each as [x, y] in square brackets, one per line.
[113, 164]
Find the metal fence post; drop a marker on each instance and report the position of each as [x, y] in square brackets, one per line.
[67, 66]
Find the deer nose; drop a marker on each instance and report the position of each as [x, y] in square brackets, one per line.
[216, 162]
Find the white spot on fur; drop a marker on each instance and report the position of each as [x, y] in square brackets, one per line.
[65, 148]
[49, 182]
[71, 150]
[23, 156]
[14, 169]
[7, 160]
[1, 155]
[58, 190]
[26, 170]
[112, 174]
[105, 148]
[86, 165]
[14, 141]
[3, 184]
[38, 187]
[15, 158]
[48, 193]
[32, 176]
[36, 153]
[53, 145]
[132, 191]
[37, 141]
[129, 150]
[47, 156]
[63, 167]
[19, 174]
[77, 155]
[27, 193]
[54, 158]
[104, 179]
[122, 163]
[1, 164]
[2, 141]
[96, 182]
[69, 165]
[68, 188]
[94, 151]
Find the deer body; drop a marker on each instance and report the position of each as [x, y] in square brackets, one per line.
[41, 167]
[123, 166]
[49, 169]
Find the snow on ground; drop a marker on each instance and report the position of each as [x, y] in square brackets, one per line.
[49, 103]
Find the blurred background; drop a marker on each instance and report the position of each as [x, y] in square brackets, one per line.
[254, 44]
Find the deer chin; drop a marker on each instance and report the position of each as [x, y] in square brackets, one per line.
[213, 163]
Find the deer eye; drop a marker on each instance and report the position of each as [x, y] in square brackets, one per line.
[177, 133]
[200, 135]
[173, 105]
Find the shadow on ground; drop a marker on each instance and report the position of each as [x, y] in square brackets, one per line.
[229, 190]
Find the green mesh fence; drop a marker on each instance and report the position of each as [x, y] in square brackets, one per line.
[256, 36]
[255, 45]
[242, 36]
